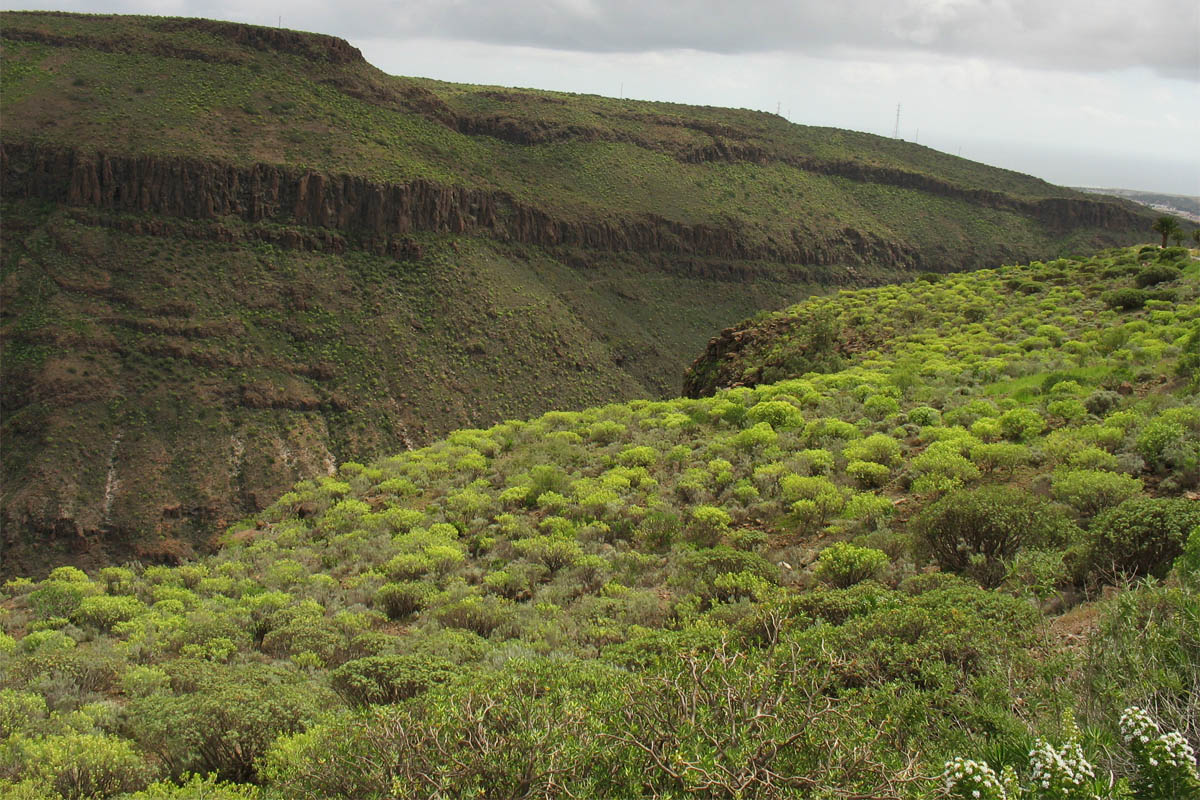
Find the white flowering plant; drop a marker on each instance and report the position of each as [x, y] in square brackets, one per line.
[964, 779]
[1055, 773]
[1166, 762]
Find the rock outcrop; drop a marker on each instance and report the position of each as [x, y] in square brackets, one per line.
[374, 213]
[369, 211]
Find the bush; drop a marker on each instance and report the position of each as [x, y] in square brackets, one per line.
[1142, 535]
[552, 552]
[974, 531]
[1156, 274]
[481, 615]
[222, 717]
[399, 600]
[1020, 424]
[868, 474]
[879, 406]
[1091, 491]
[80, 765]
[1166, 762]
[779, 414]
[1000, 455]
[842, 565]
[1069, 410]
[878, 448]
[1124, 299]
[1188, 563]
[197, 788]
[103, 611]
[388, 678]
[1102, 401]
[924, 415]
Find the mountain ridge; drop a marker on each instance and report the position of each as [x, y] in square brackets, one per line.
[354, 262]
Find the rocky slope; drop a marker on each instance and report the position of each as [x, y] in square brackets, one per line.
[235, 255]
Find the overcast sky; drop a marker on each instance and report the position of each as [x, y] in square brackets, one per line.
[1079, 92]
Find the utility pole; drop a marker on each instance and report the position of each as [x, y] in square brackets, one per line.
[896, 130]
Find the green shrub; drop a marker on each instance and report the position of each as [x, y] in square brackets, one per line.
[388, 678]
[1188, 563]
[1142, 535]
[1156, 274]
[842, 565]
[870, 508]
[402, 599]
[1020, 424]
[59, 598]
[19, 710]
[221, 717]
[924, 415]
[1173, 254]
[481, 615]
[1091, 491]
[1094, 458]
[1124, 299]
[104, 611]
[640, 456]
[780, 414]
[879, 406]
[974, 531]
[878, 448]
[1000, 455]
[699, 570]
[1166, 762]
[1101, 402]
[868, 474]
[195, 787]
[1070, 410]
[756, 436]
[552, 552]
[81, 765]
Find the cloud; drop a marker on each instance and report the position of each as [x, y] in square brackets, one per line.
[1079, 35]
[1072, 35]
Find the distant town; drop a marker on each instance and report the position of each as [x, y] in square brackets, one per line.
[1179, 205]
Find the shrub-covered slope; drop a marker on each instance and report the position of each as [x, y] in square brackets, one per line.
[823, 586]
[234, 253]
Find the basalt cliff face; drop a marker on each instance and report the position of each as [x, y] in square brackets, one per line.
[374, 213]
[371, 214]
[234, 256]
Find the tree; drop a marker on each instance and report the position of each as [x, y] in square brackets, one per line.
[1177, 237]
[1196, 236]
[1166, 226]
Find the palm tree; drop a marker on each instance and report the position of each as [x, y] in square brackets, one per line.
[1196, 236]
[1166, 226]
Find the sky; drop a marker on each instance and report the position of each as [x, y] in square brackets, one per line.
[1100, 93]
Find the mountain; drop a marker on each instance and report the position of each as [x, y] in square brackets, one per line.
[235, 256]
[969, 545]
[1180, 205]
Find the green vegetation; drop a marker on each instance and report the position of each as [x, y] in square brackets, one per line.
[787, 589]
[235, 256]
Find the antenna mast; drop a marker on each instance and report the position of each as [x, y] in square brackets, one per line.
[896, 130]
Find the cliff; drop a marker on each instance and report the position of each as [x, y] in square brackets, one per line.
[234, 256]
[374, 213]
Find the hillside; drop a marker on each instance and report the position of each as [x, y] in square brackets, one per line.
[825, 586]
[1180, 205]
[234, 256]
